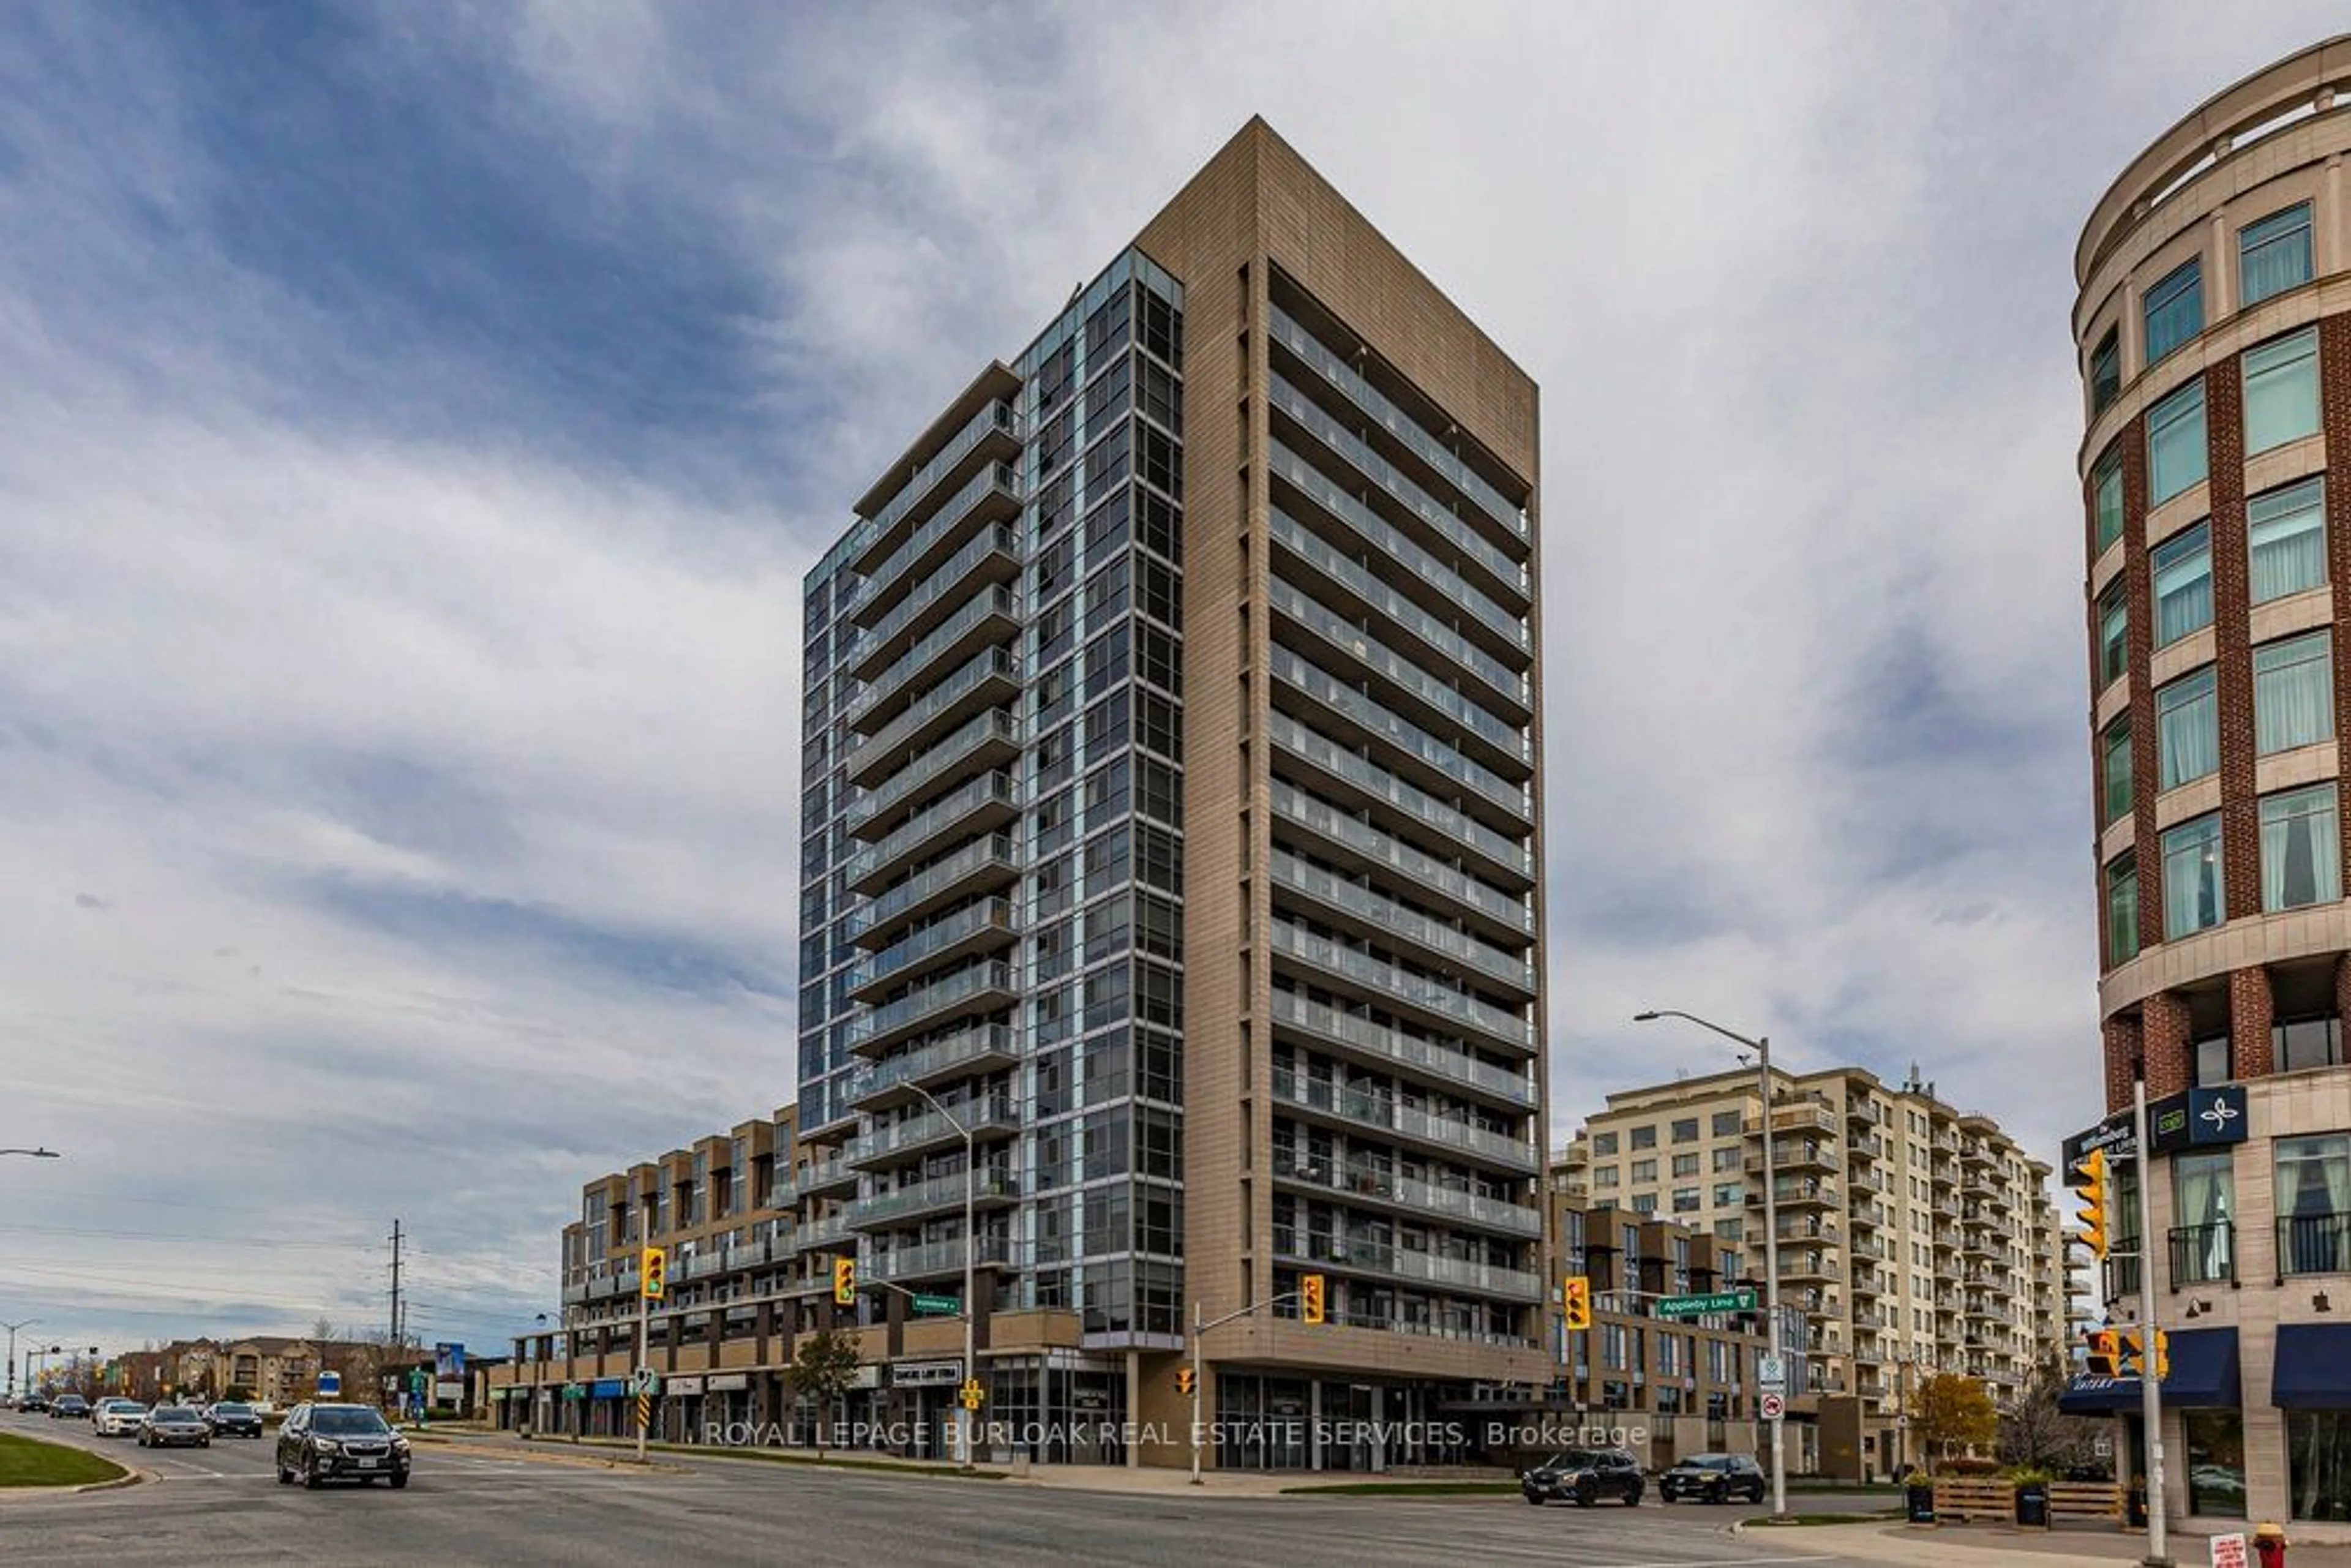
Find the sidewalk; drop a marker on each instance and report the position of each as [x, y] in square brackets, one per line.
[1983, 1546]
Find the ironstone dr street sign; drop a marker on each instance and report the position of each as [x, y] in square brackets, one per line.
[939, 1305]
[1741, 1301]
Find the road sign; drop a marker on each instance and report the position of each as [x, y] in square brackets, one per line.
[575, 1391]
[1739, 1301]
[330, 1384]
[973, 1395]
[645, 1380]
[1771, 1372]
[416, 1382]
[937, 1305]
[1774, 1407]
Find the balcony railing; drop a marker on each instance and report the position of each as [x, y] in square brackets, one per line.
[1427, 1198]
[997, 604]
[996, 479]
[1392, 542]
[1402, 1263]
[989, 917]
[1414, 802]
[1386, 1115]
[996, 668]
[997, 417]
[958, 990]
[1284, 329]
[993, 728]
[2315, 1244]
[2203, 1254]
[994, 851]
[1456, 1066]
[937, 1258]
[1404, 925]
[1407, 737]
[990, 1045]
[990, 789]
[1396, 984]
[924, 1197]
[1498, 734]
[952, 576]
[1426, 870]
[988, 1117]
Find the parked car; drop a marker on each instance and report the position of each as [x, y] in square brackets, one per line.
[118, 1418]
[72, 1406]
[1584, 1475]
[1712, 1478]
[170, 1426]
[320, 1443]
[233, 1418]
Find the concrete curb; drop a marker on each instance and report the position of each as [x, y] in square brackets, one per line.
[131, 1477]
[588, 1460]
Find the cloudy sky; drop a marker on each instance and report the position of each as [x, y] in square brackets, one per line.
[416, 419]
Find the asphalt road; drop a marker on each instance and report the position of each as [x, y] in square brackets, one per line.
[220, 1504]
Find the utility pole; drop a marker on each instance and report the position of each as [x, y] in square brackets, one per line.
[393, 1344]
[12, 1329]
[2151, 1387]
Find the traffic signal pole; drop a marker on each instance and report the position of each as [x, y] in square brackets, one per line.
[2150, 1385]
[644, 1312]
[1199, 1330]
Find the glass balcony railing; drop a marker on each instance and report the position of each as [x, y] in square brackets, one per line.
[952, 576]
[1396, 984]
[926, 1197]
[996, 479]
[1504, 738]
[1358, 454]
[997, 417]
[829, 1231]
[1404, 925]
[1425, 1198]
[1392, 542]
[995, 852]
[978, 1117]
[1365, 585]
[956, 990]
[1284, 329]
[1293, 735]
[996, 602]
[990, 729]
[1398, 731]
[989, 915]
[998, 667]
[1427, 1056]
[1386, 1115]
[937, 1258]
[1402, 1263]
[995, 788]
[1296, 805]
[989, 1045]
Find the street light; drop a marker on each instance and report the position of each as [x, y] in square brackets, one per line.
[1761, 1047]
[35, 1153]
[12, 1329]
[970, 1254]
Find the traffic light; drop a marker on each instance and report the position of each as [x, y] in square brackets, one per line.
[2162, 1354]
[2105, 1346]
[1575, 1301]
[2089, 1185]
[1310, 1298]
[2127, 1361]
[844, 1281]
[653, 1274]
[1183, 1380]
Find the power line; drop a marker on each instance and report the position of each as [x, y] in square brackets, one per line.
[266, 1242]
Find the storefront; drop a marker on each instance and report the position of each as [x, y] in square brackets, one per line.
[2204, 1404]
[1272, 1422]
[2311, 1387]
[1062, 1408]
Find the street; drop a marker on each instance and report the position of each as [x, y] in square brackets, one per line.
[490, 1508]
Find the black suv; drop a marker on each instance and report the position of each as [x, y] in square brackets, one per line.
[340, 1442]
[72, 1406]
[1584, 1475]
[1712, 1478]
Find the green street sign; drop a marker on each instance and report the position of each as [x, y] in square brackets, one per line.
[1699, 1306]
[938, 1305]
[575, 1391]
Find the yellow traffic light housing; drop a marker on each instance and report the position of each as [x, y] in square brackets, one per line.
[844, 1281]
[2104, 1349]
[1184, 1382]
[653, 1274]
[1310, 1298]
[1575, 1301]
[2090, 1186]
[2162, 1354]
[2127, 1359]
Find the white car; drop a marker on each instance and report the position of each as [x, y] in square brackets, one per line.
[118, 1418]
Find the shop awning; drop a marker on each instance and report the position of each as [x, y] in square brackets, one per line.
[609, 1387]
[2203, 1376]
[2313, 1367]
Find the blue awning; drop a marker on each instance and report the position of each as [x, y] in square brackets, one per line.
[609, 1387]
[2203, 1376]
[2313, 1371]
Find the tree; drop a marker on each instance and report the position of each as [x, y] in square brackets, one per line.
[822, 1373]
[1952, 1411]
[2034, 1432]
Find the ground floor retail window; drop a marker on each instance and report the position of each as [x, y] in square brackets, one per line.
[2216, 1462]
[2318, 1453]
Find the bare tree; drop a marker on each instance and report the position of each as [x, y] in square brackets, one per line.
[2033, 1431]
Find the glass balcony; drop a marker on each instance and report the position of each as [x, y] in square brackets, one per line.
[1435, 634]
[1365, 1182]
[889, 1082]
[1510, 856]
[990, 615]
[822, 1176]
[974, 929]
[1393, 482]
[1392, 542]
[980, 987]
[939, 1258]
[987, 802]
[1506, 740]
[1390, 1046]
[900, 1140]
[928, 544]
[1399, 988]
[991, 738]
[1790, 1119]
[1385, 1115]
[992, 556]
[1400, 1263]
[991, 1189]
[1445, 761]
[997, 422]
[1384, 916]
[1340, 376]
[989, 677]
[1427, 873]
[828, 1234]
[981, 864]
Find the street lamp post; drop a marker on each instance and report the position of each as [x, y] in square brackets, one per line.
[1761, 1047]
[970, 1256]
[12, 1329]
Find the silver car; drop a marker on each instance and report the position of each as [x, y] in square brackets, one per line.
[170, 1426]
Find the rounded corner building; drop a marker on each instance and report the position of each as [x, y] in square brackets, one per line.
[2214, 329]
